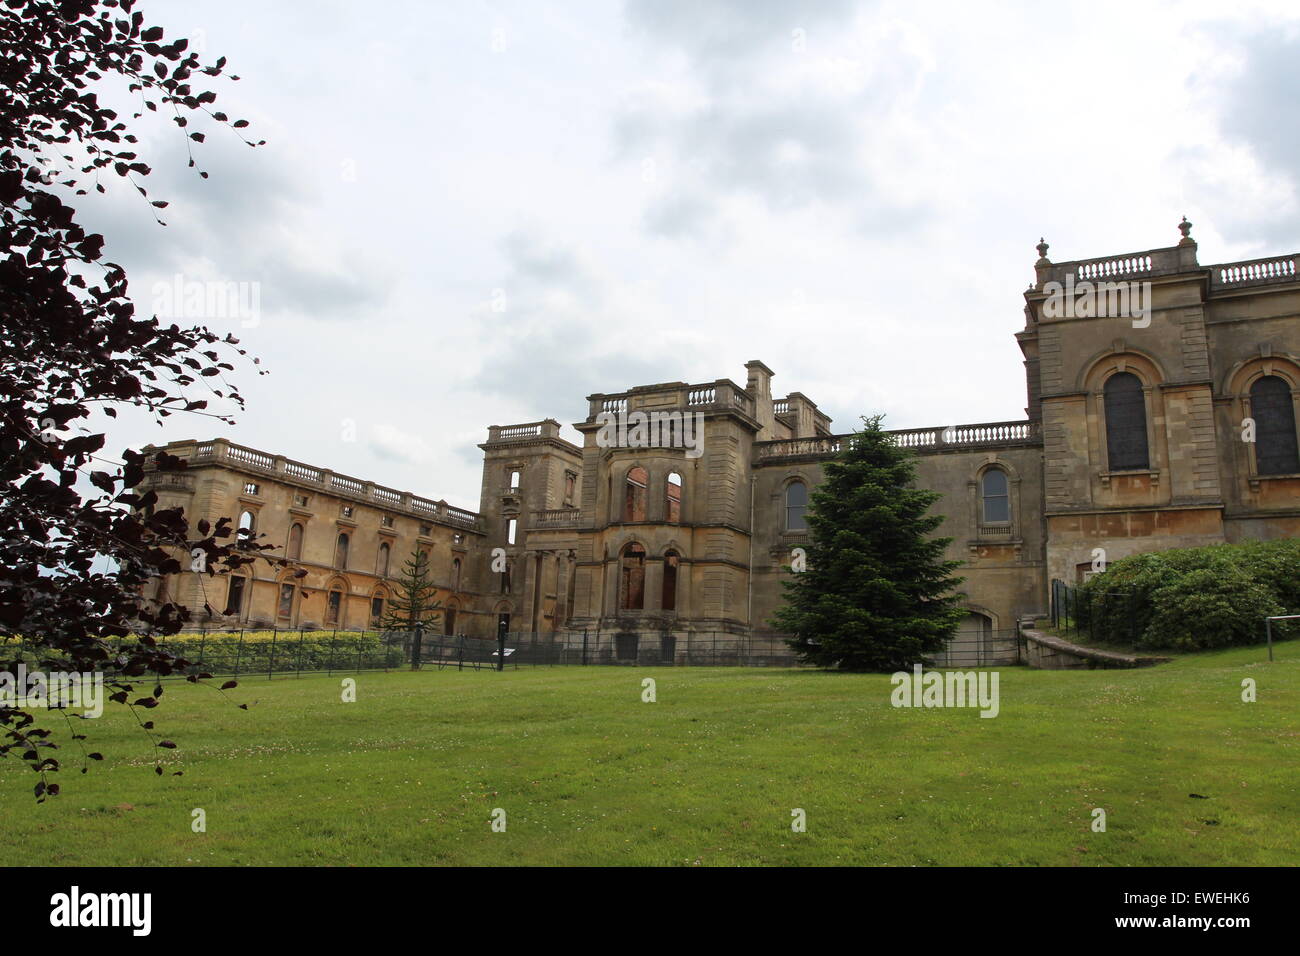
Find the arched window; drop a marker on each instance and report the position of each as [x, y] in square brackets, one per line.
[632, 578]
[294, 549]
[669, 602]
[796, 506]
[997, 503]
[634, 494]
[248, 522]
[381, 566]
[1126, 423]
[673, 498]
[284, 606]
[235, 596]
[333, 606]
[1275, 438]
[341, 552]
[377, 607]
[455, 576]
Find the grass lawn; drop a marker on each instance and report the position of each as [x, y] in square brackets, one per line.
[707, 775]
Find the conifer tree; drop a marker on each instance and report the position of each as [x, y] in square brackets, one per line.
[414, 602]
[875, 594]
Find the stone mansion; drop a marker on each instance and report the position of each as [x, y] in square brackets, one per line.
[1170, 428]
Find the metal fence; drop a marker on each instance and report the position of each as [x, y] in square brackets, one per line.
[528, 649]
[274, 653]
[277, 653]
[982, 649]
[1103, 616]
[525, 649]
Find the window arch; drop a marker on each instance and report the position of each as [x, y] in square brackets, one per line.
[673, 498]
[1126, 423]
[293, 550]
[381, 566]
[285, 600]
[341, 551]
[634, 494]
[995, 497]
[1273, 408]
[668, 600]
[632, 578]
[235, 595]
[248, 522]
[796, 506]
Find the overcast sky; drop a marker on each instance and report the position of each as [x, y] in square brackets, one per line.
[471, 214]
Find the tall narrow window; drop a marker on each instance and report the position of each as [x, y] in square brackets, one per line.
[673, 498]
[377, 609]
[1272, 408]
[669, 602]
[632, 579]
[332, 607]
[514, 479]
[294, 550]
[997, 503]
[235, 597]
[505, 579]
[512, 526]
[455, 576]
[1126, 423]
[341, 552]
[381, 567]
[449, 620]
[285, 607]
[796, 506]
[634, 494]
[248, 522]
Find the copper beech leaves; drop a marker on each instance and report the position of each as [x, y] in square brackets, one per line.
[79, 541]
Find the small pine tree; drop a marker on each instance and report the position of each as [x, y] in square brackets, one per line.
[414, 602]
[875, 593]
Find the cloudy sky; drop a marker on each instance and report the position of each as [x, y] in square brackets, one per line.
[471, 214]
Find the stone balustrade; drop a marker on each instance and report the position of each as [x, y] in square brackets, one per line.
[951, 437]
[248, 459]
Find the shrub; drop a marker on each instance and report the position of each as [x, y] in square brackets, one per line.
[1194, 598]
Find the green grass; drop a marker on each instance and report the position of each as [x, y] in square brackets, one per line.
[707, 775]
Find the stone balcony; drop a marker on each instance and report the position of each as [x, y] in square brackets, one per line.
[555, 518]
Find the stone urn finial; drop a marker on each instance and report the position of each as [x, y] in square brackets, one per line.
[1185, 228]
[1042, 248]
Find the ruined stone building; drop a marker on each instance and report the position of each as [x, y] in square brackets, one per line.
[1168, 422]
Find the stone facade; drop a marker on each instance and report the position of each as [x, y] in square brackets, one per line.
[1132, 441]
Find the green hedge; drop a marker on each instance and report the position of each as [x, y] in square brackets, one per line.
[1195, 598]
